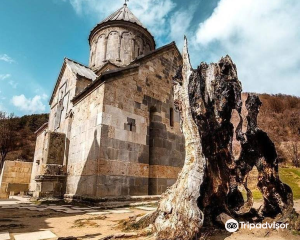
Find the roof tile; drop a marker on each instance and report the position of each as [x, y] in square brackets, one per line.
[123, 14]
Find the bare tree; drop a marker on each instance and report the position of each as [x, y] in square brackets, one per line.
[295, 157]
[211, 178]
[7, 136]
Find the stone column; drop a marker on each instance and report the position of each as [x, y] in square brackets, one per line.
[119, 49]
[133, 49]
[93, 53]
[105, 48]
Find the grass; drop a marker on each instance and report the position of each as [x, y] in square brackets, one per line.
[256, 194]
[130, 224]
[79, 223]
[290, 176]
[89, 222]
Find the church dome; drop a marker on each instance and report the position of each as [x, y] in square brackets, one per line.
[120, 38]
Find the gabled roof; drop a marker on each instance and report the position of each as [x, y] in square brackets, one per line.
[78, 69]
[157, 51]
[108, 63]
[41, 128]
[123, 14]
[119, 17]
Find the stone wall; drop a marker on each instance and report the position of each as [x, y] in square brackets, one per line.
[165, 140]
[56, 148]
[39, 155]
[113, 135]
[49, 155]
[61, 103]
[85, 144]
[49, 176]
[123, 151]
[15, 177]
[121, 138]
[60, 118]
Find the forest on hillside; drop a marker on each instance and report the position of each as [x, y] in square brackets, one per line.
[23, 129]
[279, 117]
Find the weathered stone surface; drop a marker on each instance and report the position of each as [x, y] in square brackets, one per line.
[119, 44]
[15, 177]
[50, 186]
[38, 156]
[56, 148]
[52, 169]
[111, 147]
[4, 236]
[35, 235]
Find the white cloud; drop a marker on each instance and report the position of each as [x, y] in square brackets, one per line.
[152, 13]
[6, 58]
[180, 23]
[262, 37]
[30, 105]
[4, 76]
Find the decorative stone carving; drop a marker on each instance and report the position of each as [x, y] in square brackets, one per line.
[56, 148]
[120, 41]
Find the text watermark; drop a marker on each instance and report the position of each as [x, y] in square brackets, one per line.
[232, 225]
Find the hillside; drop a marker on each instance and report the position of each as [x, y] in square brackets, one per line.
[280, 118]
[24, 129]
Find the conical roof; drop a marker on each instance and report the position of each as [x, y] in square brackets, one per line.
[123, 14]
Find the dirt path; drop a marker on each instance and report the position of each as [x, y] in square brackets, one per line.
[96, 226]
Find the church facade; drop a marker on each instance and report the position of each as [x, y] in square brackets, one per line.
[113, 129]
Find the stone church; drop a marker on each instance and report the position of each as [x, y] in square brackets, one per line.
[113, 130]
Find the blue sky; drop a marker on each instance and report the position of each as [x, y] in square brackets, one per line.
[261, 36]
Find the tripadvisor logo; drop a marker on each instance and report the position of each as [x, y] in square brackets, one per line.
[231, 225]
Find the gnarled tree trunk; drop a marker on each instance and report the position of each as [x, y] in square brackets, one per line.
[178, 213]
[208, 186]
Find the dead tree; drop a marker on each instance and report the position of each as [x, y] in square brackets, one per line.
[295, 154]
[209, 184]
[258, 150]
[178, 213]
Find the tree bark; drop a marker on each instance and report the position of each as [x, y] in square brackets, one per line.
[179, 216]
[211, 178]
[258, 150]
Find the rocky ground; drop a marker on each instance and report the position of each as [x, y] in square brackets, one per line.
[21, 219]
